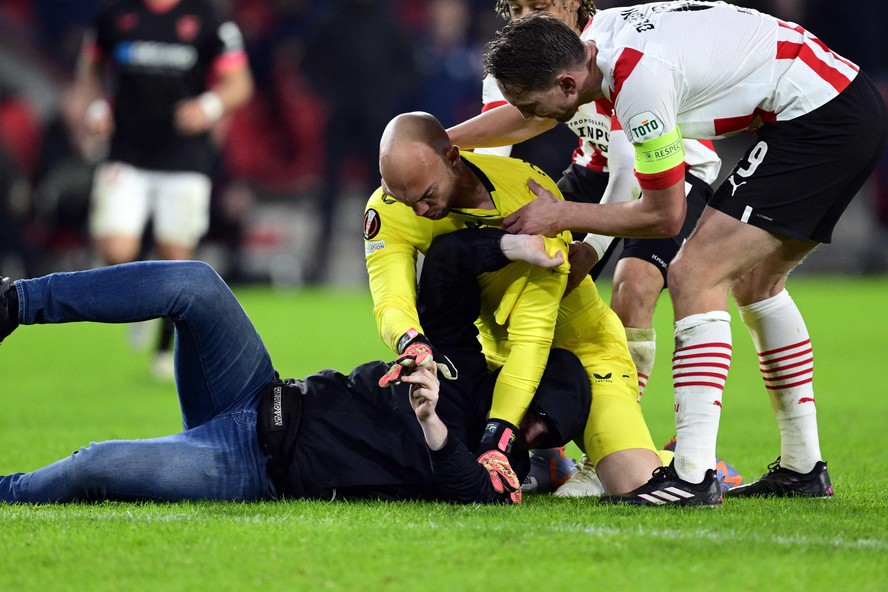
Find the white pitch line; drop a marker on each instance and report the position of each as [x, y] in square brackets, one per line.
[58, 514]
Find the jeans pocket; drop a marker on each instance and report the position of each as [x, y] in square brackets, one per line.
[245, 417]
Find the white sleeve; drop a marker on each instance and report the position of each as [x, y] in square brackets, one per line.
[497, 150]
[648, 102]
[621, 183]
[492, 97]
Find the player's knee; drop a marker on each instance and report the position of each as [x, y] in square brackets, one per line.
[634, 300]
[174, 252]
[683, 274]
[114, 251]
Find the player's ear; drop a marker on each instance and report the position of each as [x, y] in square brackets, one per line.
[452, 154]
[567, 83]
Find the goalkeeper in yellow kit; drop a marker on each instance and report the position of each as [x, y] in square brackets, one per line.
[524, 310]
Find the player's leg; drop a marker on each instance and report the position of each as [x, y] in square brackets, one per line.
[617, 441]
[220, 460]
[786, 362]
[616, 438]
[822, 179]
[221, 362]
[700, 364]
[772, 205]
[637, 286]
[640, 276]
[120, 209]
[181, 218]
[699, 280]
[181, 213]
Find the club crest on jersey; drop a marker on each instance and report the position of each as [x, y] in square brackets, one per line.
[644, 126]
[372, 224]
[187, 28]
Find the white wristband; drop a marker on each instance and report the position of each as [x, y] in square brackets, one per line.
[212, 105]
[598, 242]
[97, 110]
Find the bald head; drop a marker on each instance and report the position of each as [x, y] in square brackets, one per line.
[415, 158]
[411, 142]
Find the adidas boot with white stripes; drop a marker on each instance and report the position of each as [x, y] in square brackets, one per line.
[667, 488]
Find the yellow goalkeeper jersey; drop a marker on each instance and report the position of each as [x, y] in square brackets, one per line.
[523, 314]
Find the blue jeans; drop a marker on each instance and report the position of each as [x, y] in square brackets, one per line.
[221, 366]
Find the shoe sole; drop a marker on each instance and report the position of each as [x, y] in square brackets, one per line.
[613, 501]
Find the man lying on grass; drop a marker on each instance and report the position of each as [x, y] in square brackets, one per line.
[250, 436]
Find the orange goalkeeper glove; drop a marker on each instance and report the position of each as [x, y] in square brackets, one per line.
[416, 351]
[502, 476]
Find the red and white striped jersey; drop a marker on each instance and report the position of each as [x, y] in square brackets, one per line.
[712, 69]
[592, 124]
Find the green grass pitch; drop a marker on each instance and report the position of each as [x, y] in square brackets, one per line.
[64, 386]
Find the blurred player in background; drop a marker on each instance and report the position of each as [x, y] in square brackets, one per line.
[176, 68]
[360, 48]
[673, 70]
[601, 171]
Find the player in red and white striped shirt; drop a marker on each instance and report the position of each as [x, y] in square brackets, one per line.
[601, 171]
[691, 69]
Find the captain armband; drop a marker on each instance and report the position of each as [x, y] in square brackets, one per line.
[659, 162]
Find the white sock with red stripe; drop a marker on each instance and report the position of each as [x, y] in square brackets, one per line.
[786, 360]
[699, 370]
[643, 349]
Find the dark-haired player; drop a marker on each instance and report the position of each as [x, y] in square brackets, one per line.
[601, 171]
[688, 69]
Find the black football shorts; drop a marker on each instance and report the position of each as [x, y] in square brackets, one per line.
[801, 174]
[586, 185]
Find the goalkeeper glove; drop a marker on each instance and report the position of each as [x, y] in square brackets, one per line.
[416, 351]
[502, 476]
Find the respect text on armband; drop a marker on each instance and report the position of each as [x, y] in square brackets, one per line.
[662, 153]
